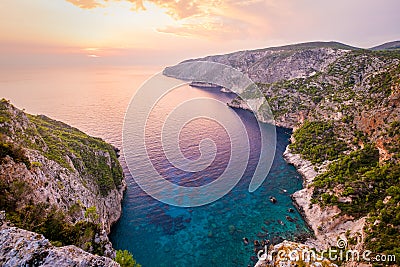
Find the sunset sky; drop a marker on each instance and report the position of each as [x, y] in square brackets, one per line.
[162, 32]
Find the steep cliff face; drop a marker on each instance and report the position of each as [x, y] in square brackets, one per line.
[282, 63]
[328, 81]
[53, 176]
[327, 223]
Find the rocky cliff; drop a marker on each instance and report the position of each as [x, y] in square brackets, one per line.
[58, 181]
[343, 104]
[327, 223]
[23, 248]
[275, 64]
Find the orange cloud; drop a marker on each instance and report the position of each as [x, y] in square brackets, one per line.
[87, 4]
[211, 27]
[176, 9]
[180, 9]
[213, 19]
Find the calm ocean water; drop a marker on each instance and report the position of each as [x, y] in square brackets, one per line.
[95, 100]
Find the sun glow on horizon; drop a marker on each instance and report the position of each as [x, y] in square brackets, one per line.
[169, 31]
[58, 22]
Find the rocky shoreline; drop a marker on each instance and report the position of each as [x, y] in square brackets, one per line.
[326, 223]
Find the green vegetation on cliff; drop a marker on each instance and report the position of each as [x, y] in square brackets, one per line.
[57, 141]
[21, 210]
[48, 170]
[317, 142]
[372, 189]
[356, 174]
[383, 223]
[125, 259]
[89, 155]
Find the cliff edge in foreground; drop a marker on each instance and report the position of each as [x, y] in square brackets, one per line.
[23, 248]
[57, 181]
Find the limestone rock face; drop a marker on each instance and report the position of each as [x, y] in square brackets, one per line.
[327, 223]
[304, 167]
[23, 248]
[63, 174]
[55, 185]
[280, 63]
[64, 170]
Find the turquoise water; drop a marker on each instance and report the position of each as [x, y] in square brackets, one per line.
[211, 235]
[94, 100]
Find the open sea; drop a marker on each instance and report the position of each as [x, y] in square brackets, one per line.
[95, 101]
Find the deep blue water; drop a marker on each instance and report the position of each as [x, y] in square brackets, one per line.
[211, 235]
[94, 100]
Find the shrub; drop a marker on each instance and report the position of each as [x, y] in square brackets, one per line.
[15, 152]
[125, 259]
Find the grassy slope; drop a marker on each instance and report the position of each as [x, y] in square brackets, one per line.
[63, 144]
